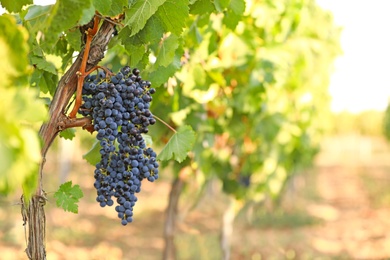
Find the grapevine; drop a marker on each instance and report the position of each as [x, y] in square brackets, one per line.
[119, 108]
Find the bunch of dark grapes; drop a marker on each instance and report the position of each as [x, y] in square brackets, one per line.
[119, 107]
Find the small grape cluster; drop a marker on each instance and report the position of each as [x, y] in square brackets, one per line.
[119, 107]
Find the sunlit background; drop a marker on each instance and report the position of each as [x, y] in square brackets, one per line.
[361, 80]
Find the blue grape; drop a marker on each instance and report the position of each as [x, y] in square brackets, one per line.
[120, 110]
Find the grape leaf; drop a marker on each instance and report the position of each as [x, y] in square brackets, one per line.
[202, 7]
[117, 7]
[44, 81]
[179, 145]
[167, 51]
[103, 6]
[67, 196]
[15, 6]
[231, 19]
[93, 155]
[87, 15]
[220, 5]
[161, 74]
[37, 11]
[136, 52]
[68, 134]
[173, 15]
[65, 15]
[139, 13]
[74, 39]
[43, 64]
[36, 18]
[237, 6]
[152, 32]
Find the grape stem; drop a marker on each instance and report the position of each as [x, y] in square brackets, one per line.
[81, 74]
[165, 123]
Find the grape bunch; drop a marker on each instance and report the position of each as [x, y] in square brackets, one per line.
[119, 107]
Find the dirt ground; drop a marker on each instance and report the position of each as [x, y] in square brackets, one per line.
[340, 209]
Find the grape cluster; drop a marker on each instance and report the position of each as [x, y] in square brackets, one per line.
[119, 107]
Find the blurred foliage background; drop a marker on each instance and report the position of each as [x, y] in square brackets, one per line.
[251, 78]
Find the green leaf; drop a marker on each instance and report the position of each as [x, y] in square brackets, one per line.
[103, 6]
[68, 134]
[68, 196]
[93, 155]
[15, 6]
[136, 52]
[152, 32]
[179, 145]
[74, 39]
[36, 19]
[139, 13]
[20, 146]
[67, 59]
[220, 5]
[44, 81]
[14, 50]
[231, 19]
[202, 7]
[237, 6]
[65, 14]
[117, 7]
[43, 64]
[167, 51]
[161, 74]
[148, 139]
[173, 15]
[36, 11]
[87, 15]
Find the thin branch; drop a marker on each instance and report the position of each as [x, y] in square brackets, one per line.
[84, 122]
[165, 123]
